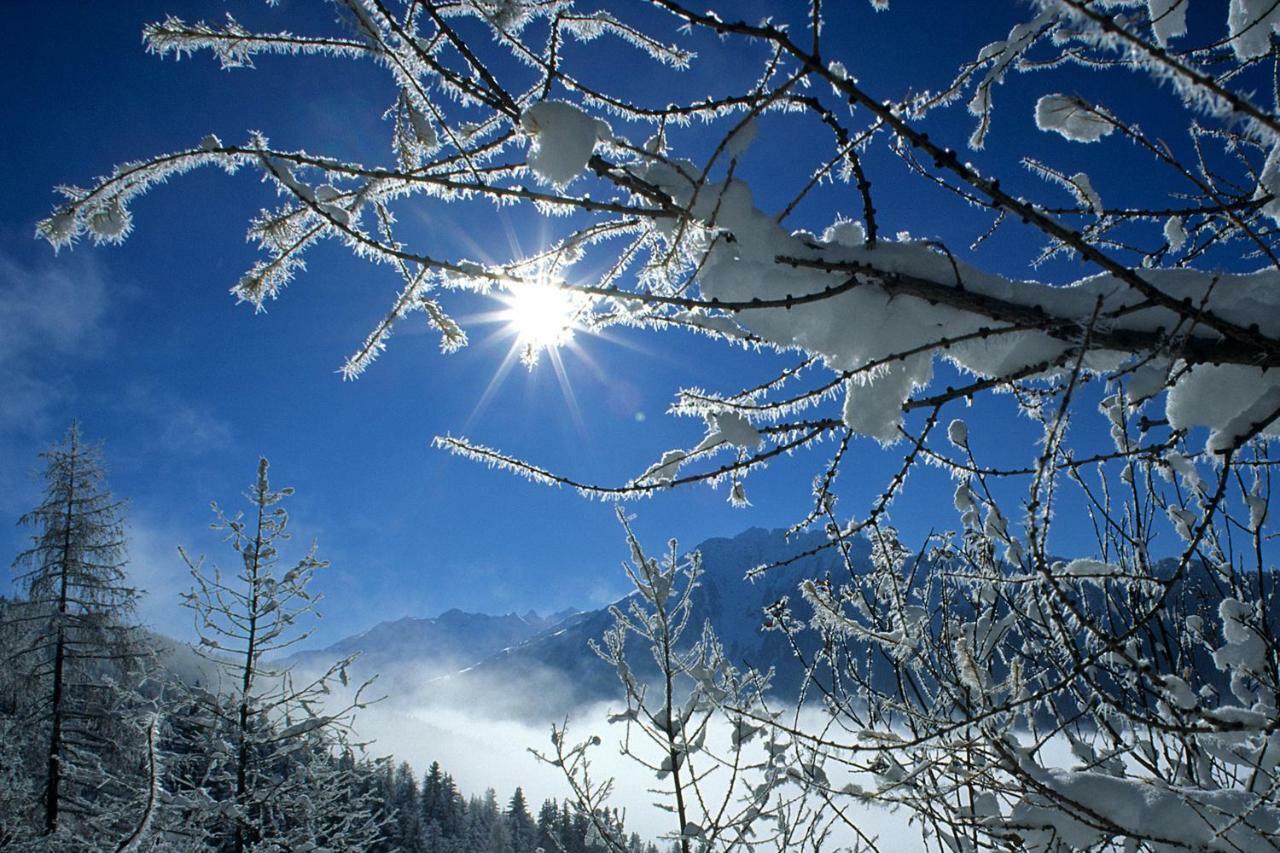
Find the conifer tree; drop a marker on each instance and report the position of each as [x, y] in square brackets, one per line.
[546, 829]
[15, 784]
[404, 799]
[276, 782]
[520, 828]
[444, 812]
[80, 655]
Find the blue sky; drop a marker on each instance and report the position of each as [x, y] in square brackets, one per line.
[143, 343]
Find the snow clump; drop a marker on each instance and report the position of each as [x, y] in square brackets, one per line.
[563, 139]
[1251, 23]
[1072, 118]
[881, 340]
[1168, 19]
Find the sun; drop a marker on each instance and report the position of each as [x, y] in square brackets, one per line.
[542, 315]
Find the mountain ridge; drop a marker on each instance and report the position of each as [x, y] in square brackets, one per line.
[445, 642]
[533, 666]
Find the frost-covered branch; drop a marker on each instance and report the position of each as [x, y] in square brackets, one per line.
[876, 313]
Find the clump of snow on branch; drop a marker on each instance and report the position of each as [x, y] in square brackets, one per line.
[1250, 24]
[867, 326]
[1168, 19]
[1071, 118]
[563, 139]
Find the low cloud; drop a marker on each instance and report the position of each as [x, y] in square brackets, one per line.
[481, 750]
[484, 733]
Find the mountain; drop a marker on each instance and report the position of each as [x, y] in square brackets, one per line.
[538, 668]
[430, 647]
[553, 672]
[534, 667]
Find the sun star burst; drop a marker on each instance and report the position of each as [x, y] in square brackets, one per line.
[542, 315]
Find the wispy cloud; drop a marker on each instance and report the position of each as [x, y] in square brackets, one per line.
[156, 568]
[48, 313]
[53, 314]
[175, 424]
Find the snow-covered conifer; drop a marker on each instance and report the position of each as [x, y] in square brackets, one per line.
[268, 772]
[79, 657]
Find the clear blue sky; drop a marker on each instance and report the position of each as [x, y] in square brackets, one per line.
[143, 343]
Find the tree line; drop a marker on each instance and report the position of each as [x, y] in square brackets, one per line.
[436, 817]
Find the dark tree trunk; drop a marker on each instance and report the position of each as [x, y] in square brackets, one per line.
[52, 793]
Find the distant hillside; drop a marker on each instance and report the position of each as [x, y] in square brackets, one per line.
[560, 671]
